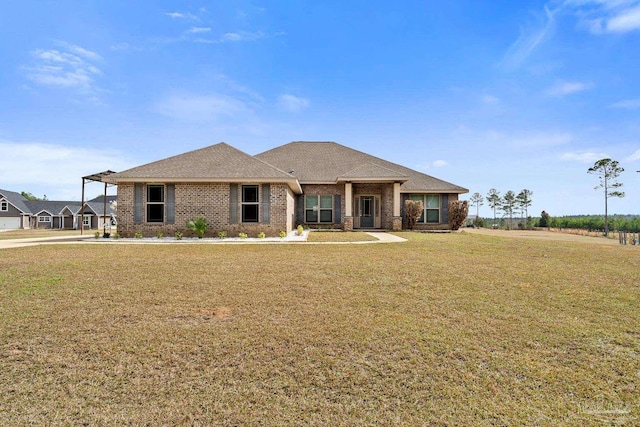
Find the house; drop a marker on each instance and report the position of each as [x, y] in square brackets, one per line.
[316, 184]
[14, 213]
[17, 212]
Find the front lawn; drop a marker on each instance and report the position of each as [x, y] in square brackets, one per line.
[445, 329]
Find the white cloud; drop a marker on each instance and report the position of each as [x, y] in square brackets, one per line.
[42, 158]
[528, 41]
[584, 157]
[242, 36]
[634, 156]
[292, 103]
[563, 88]
[191, 107]
[69, 68]
[199, 30]
[490, 99]
[607, 16]
[627, 103]
[440, 163]
[628, 20]
[180, 15]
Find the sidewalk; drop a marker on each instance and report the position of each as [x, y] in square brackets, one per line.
[88, 239]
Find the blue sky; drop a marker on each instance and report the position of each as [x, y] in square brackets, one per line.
[502, 93]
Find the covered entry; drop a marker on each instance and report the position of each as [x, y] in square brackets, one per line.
[366, 211]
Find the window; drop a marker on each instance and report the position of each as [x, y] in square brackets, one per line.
[155, 203]
[250, 203]
[44, 218]
[318, 208]
[430, 206]
[86, 221]
[4, 206]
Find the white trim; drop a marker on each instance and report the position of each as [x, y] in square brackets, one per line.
[44, 218]
[6, 205]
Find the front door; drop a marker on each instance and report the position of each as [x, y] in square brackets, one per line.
[366, 211]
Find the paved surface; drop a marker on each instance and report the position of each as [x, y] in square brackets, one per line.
[90, 239]
[19, 243]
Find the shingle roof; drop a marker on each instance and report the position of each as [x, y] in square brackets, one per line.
[372, 171]
[214, 163]
[328, 162]
[54, 207]
[99, 199]
[98, 208]
[16, 200]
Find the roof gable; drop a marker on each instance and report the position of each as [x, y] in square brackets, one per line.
[214, 163]
[329, 162]
[16, 200]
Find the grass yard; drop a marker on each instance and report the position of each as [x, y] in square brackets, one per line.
[446, 329]
[339, 236]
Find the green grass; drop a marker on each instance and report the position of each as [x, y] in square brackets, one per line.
[451, 329]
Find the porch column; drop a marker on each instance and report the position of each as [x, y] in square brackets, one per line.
[397, 218]
[348, 207]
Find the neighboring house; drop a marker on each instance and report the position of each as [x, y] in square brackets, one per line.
[316, 184]
[17, 212]
[14, 214]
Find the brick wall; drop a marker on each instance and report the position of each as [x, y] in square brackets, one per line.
[211, 201]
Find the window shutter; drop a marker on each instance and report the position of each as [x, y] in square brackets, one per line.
[138, 204]
[171, 204]
[445, 208]
[266, 203]
[300, 210]
[337, 209]
[233, 203]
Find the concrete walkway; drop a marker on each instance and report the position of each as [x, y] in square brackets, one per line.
[89, 239]
[35, 241]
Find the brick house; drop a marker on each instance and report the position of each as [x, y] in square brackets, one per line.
[319, 184]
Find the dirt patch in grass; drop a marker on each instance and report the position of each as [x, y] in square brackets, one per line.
[453, 329]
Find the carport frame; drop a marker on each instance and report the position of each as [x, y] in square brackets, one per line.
[96, 177]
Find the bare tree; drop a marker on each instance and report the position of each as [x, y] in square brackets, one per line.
[607, 171]
[477, 201]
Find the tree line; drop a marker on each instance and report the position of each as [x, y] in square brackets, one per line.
[511, 204]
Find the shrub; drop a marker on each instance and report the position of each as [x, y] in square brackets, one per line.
[283, 234]
[413, 210]
[261, 235]
[96, 234]
[178, 235]
[478, 222]
[159, 235]
[242, 235]
[300, 230]
[458, 210]
[116, 236]
[198, 226]
[222, 234]
[137, 235]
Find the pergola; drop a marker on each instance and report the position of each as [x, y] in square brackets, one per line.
[96, 177]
